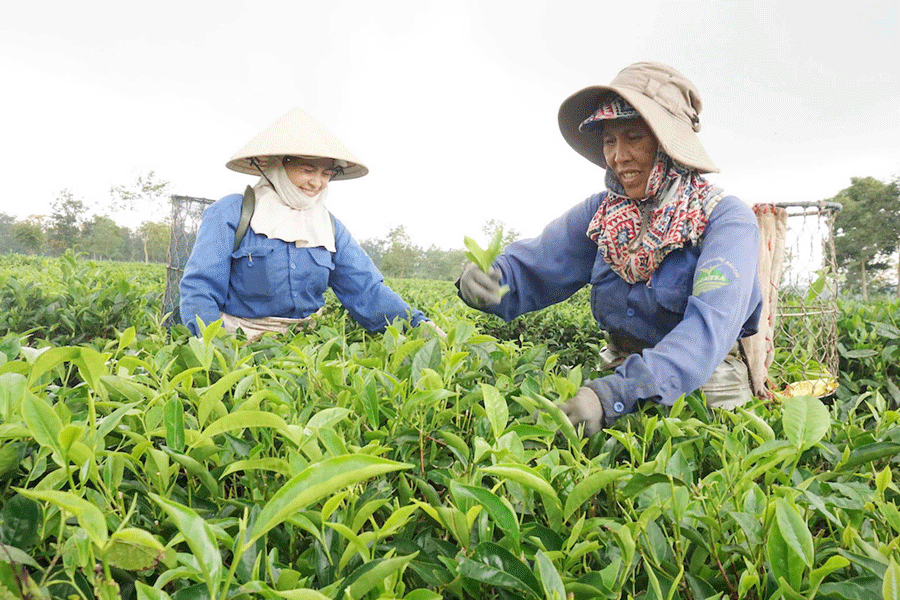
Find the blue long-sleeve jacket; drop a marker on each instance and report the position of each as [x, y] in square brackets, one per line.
[697, 303]
[269, 277]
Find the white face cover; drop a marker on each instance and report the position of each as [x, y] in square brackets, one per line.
[284, 212]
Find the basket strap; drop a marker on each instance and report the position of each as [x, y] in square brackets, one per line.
[248, 205]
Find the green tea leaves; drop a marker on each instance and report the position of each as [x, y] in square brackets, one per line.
[805, 421]
[484, 257]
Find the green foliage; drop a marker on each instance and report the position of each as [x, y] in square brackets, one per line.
[867, 228]
[72, 301]
[333, 463]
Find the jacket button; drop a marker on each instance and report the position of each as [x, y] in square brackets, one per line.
[618, 407]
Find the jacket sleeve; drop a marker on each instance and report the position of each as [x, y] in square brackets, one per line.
[204, 285]
[360, 287]
[725, 297]
[549, 268]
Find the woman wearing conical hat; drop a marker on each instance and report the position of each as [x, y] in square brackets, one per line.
[272, 270]
[671, 259]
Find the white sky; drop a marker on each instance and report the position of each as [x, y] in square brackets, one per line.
[452, 105]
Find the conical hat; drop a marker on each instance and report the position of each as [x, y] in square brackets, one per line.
[295, 134]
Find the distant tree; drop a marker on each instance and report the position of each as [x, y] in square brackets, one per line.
[437, 263]
[867, 229]
[148, 195]
[401, 256]
[29, 235]
[154, 240]
[65, 222]
[490, 229]
[374, 247]
[7, 242]
[102, 238]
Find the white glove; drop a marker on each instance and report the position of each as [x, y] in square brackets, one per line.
[479, 289]
[584, 408]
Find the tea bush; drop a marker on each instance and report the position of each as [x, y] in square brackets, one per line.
[333, 463]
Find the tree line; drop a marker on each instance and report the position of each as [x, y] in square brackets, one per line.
[866, 235]
[71, 226]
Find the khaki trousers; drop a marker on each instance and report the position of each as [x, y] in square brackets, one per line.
[728, 387]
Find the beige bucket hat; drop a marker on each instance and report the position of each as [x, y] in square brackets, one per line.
[296, 134]
[668, 102]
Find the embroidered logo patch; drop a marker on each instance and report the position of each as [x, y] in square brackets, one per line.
[709, 279]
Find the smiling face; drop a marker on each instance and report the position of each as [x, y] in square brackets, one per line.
[310, 175]
[629, 147]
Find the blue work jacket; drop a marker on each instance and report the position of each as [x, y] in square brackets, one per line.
[696, 304]
[272, 278]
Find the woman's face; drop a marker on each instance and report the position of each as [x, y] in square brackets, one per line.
[310, 175]
[629, 147]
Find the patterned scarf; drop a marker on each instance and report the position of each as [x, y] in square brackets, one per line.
[634, 236]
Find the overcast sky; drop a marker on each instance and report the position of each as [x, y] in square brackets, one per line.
[452, 105]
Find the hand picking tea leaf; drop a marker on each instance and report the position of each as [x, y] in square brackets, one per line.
[485, 258]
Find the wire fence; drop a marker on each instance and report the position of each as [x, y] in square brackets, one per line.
[186, 215]
[806, 312]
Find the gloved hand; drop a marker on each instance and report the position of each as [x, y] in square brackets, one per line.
[584, 408]
[479, 289]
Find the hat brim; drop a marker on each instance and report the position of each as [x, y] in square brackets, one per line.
[677, 138]
[295, 134]
[242, 164]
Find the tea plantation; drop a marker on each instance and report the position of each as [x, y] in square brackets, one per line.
[146, 464]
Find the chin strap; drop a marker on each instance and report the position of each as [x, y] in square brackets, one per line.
[255, 163]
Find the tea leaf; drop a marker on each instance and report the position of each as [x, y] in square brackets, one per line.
[806, 421]
[145, 592]
[211, 398]
[242, 419]
[371, 574]
[794, 531]
[890, 590]
[173, 418]
[12, 554]
[869, 453]
[833, 564]
[42, 422]
[529, 478]
[50, 359]
[21, 522]
[496, 408]
[274, 464]
[12, 390]
[89, 516]
[200, 539]
[782, 560]
[588, 487]
[494, 565]
[501, 512]
[550, 579]
[133, 550]
[301, 594]
[318, 481]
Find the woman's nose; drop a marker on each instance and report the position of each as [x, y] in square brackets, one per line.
[621, 153]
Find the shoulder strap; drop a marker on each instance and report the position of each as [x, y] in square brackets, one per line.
[248, 205]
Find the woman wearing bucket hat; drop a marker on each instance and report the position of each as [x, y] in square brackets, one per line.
[671, 259]
[263, 260]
